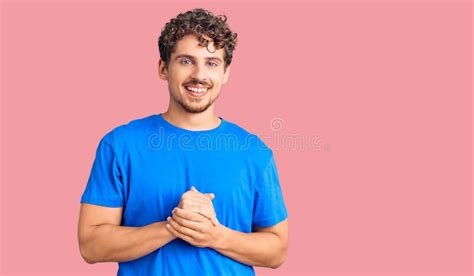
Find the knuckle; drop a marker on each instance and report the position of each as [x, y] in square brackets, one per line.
[174, 225]
[201, 210]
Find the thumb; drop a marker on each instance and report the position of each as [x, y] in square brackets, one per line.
[215, 221]
[211, 195]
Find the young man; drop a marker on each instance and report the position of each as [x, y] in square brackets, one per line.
[185, 192]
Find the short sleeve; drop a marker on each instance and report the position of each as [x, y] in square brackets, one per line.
[104, 186]
[269, 205]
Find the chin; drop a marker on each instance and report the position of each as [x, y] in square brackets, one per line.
[194, 108]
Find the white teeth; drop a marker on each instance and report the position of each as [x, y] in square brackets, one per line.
[197, 90]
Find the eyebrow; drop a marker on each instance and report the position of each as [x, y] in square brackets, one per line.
[191, 57]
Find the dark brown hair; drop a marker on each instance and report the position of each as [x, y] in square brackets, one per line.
[199, 22]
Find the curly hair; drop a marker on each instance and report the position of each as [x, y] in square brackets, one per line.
[199, 22]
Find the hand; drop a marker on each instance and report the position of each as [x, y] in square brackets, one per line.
[194, 228]
[200, 203]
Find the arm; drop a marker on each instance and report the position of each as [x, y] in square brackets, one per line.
[267, 247]
[102, 239]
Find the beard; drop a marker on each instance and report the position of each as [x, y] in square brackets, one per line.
[193, 105]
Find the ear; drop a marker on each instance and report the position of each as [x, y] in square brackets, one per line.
[162, 70]
[226, 75]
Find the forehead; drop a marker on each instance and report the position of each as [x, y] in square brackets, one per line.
[189, 44]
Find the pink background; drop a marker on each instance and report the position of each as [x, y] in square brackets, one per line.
[385, 85]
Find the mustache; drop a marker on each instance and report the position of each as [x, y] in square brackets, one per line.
[195, 82]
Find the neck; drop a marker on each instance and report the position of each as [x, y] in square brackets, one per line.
[192, 121]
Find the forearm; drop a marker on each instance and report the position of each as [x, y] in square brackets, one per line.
[255, 249]
[112, 243]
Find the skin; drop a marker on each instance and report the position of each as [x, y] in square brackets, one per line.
[200, 203]
[266, 246]
[100, 234]
[195, 222]
[184, 110]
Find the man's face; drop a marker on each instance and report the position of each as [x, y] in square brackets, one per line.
[194, 67]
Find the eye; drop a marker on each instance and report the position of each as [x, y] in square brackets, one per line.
[184, 60]
[214, 64]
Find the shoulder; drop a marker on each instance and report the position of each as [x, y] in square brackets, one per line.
[250, 143]
[127, 132]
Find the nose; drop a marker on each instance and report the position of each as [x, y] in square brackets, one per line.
[199, 73]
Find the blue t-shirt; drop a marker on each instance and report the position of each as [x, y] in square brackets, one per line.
[146, 165]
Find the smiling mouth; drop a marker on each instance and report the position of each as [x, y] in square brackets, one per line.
[196, 91]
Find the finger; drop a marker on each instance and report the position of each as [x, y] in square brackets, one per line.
[200, 208]
[181, 229]
[214, 221]
[194, 189]
[209, 195]
[197, 201]
[196, 226]
[204, 207]
[205, 214]
[189, 215]
[212, 218]
[193, 193]
[178, 234]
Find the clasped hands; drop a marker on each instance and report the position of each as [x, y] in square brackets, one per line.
[194, 220]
